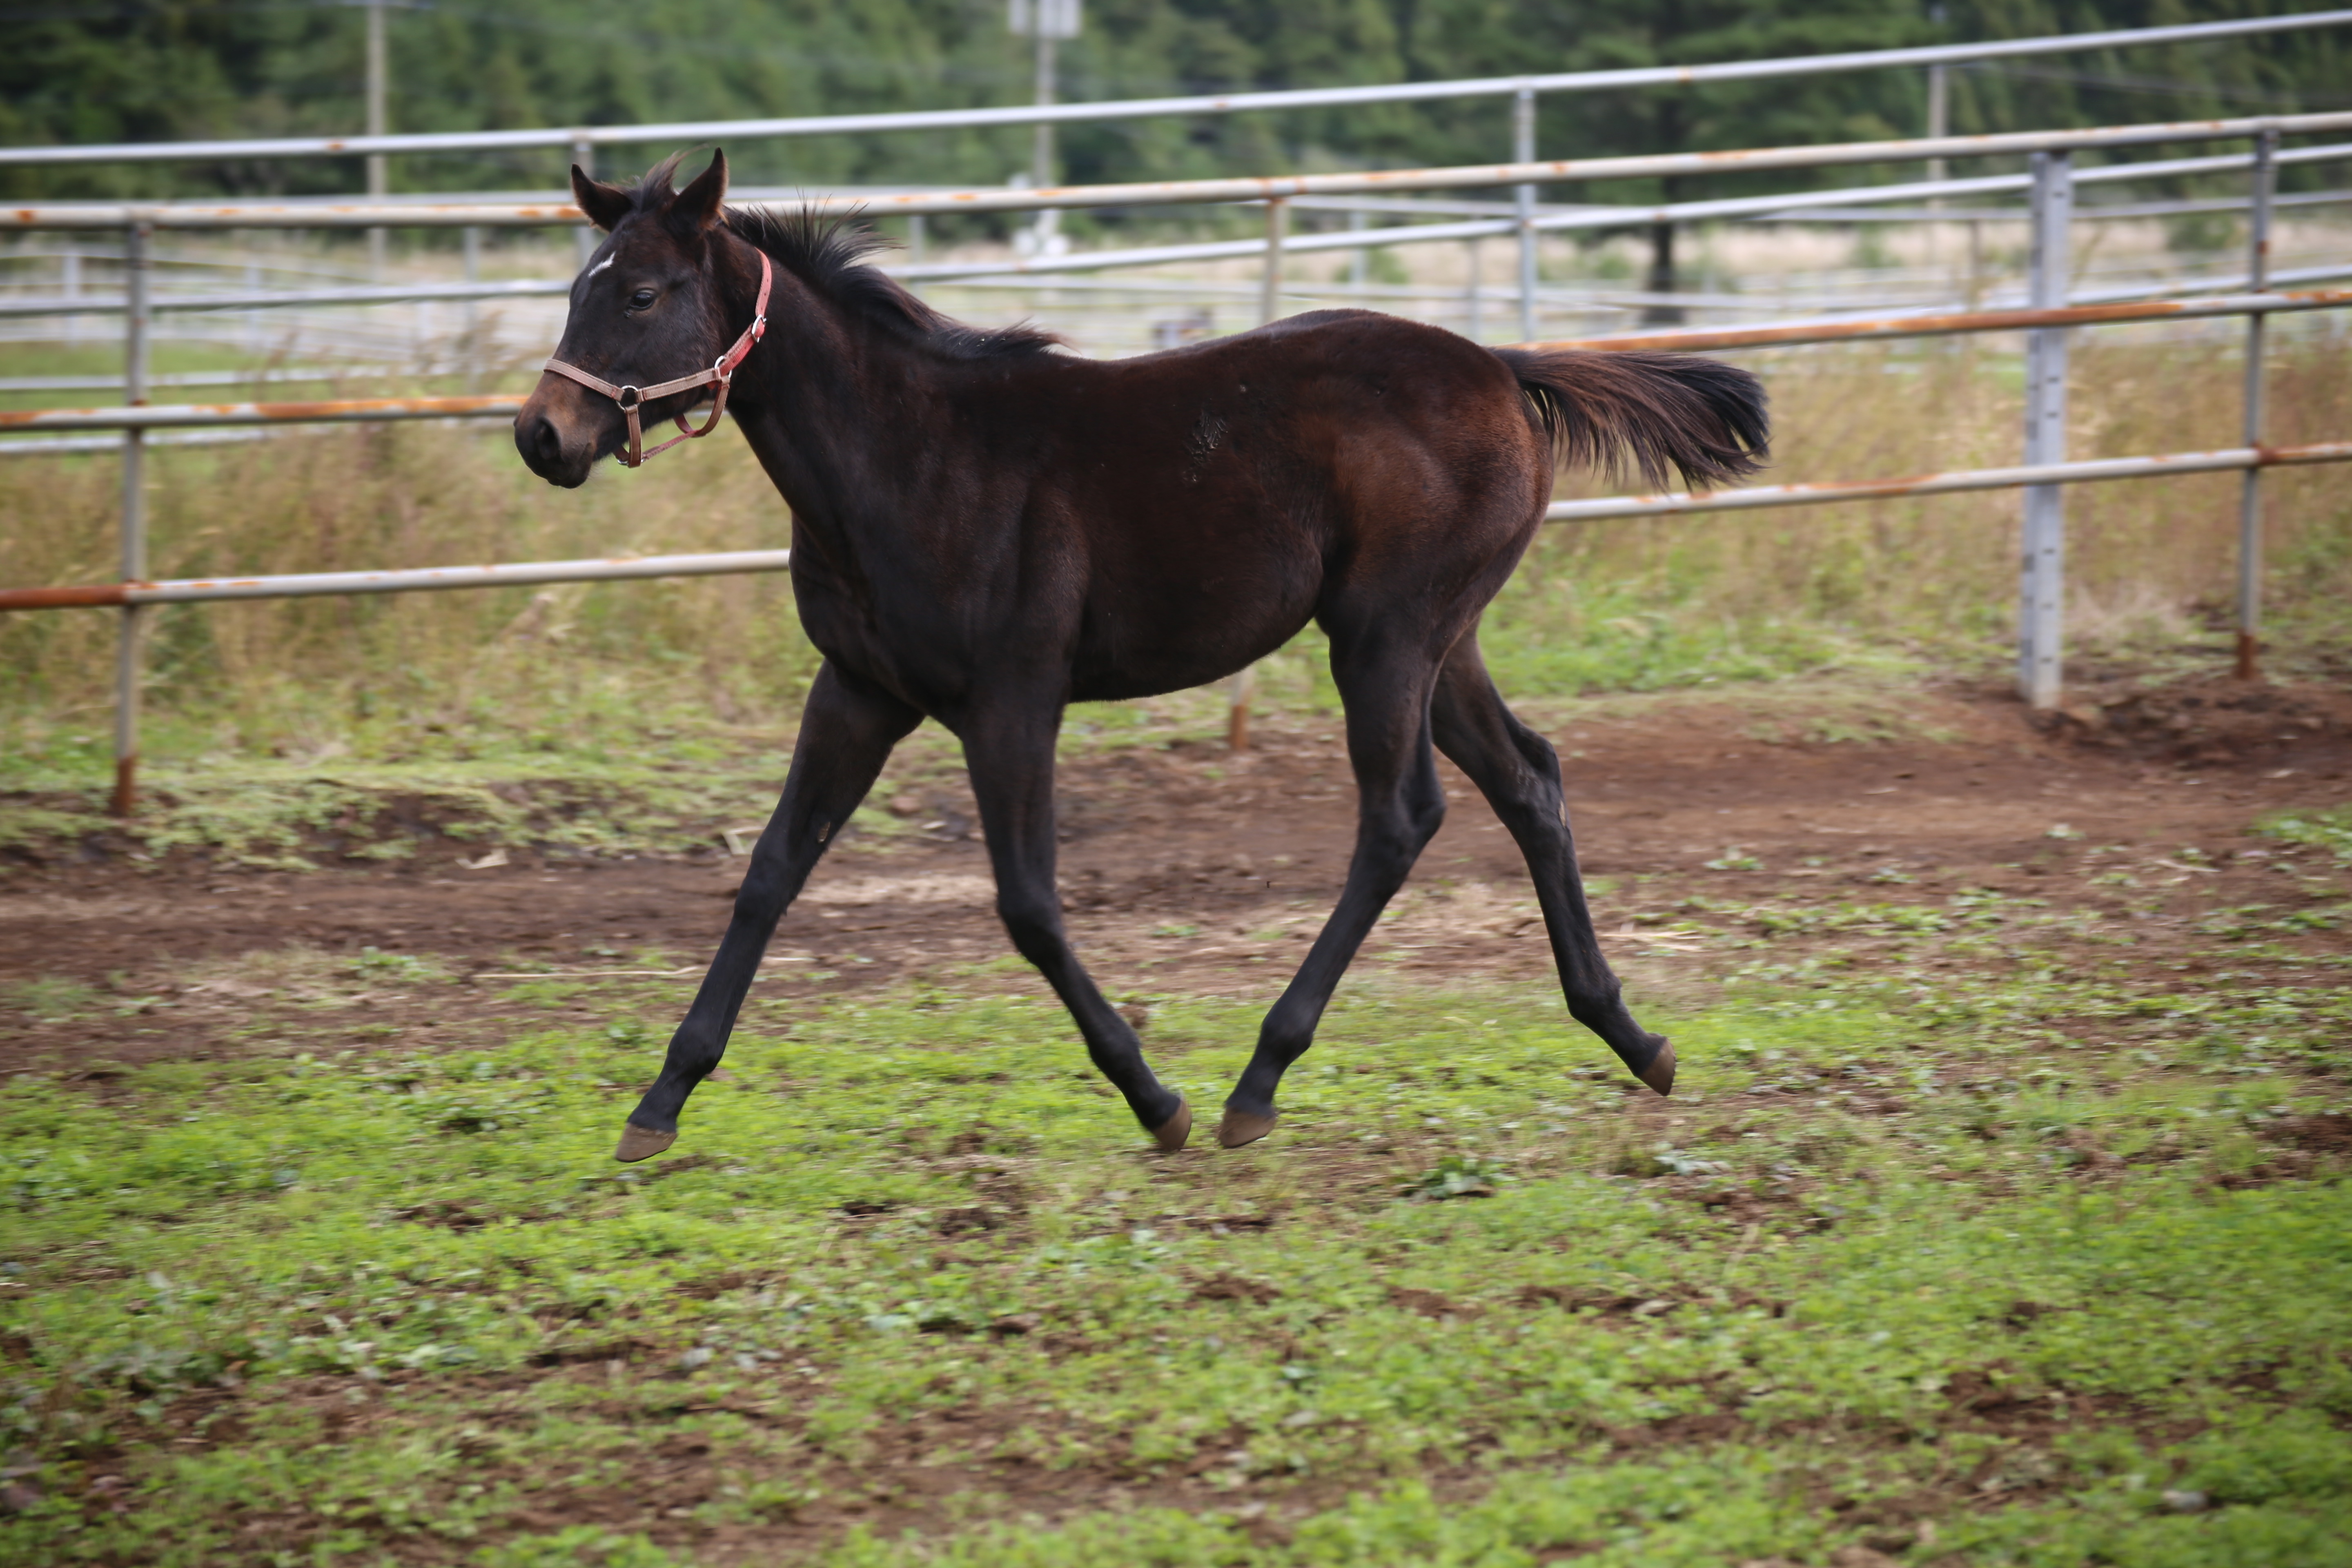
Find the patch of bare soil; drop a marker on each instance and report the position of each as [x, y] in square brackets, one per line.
[2212, 720]
[1197, 869]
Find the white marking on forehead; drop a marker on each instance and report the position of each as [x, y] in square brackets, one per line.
[600, 267]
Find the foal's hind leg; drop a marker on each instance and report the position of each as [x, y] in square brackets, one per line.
[1519, 773]
[1400, 804]
[847, 732]
[1009, 748]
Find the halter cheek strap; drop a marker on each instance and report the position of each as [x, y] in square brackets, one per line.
[721, 373]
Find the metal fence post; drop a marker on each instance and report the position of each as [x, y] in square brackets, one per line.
[69, 284]
[2250, 494]
[1474, 297]
[1269, 289]
[1041, 151]
[253, 328]
[1238, 692]
[2041, 598]
[1360, 260]
[1244, 681]
[470, 245]
[584, 239]
[377, 181]
[1939, 124]
[137, 264]
[1523, 151]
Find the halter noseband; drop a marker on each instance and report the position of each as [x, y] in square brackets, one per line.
[721, 372]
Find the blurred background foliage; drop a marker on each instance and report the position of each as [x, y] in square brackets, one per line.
[161, 70]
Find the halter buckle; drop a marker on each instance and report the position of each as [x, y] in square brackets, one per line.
[629, 397]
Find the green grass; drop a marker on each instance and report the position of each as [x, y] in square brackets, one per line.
[2330, 830]
[328, 1298]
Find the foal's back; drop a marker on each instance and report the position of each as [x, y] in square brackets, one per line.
[1223, 494]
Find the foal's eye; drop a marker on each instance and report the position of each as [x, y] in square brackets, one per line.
[642, 298]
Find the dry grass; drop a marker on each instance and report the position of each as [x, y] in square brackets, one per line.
[2150, 560]
[304, 674]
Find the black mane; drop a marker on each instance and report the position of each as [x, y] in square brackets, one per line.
[828, 254]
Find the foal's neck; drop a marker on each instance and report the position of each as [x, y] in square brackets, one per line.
[845, 414]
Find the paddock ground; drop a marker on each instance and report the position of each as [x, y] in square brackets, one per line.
[2023, 1045]
[1947, 788]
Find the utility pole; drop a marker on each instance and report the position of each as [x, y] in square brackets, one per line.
[1660, 285]
[1940, 117]
[1939, 109]
[376, 184]
[1047, 22]
[1523, 198]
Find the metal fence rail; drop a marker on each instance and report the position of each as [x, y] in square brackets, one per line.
[310, 584]
[63, 446]
[164, 417]
[510, 574]
[1230, 188]
[2230, 459]
[1274, 248]
[386, 294]
[336, 410]
[1818, 206]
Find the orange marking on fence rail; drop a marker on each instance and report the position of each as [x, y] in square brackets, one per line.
[88, 597]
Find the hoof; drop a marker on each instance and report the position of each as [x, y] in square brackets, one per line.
[1171, 1134]
[1240, 1127]
[1660, 1074]
[641, 1143]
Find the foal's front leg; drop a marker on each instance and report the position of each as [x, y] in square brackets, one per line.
[846, 732]
[1009, 750]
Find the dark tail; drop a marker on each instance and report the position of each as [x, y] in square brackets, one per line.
[1647, 411]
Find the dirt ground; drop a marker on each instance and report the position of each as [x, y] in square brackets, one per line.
[1193, 868]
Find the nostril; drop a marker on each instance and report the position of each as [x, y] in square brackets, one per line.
[540, 441]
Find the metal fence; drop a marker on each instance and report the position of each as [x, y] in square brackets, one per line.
[2047, 317]
[1525, 91]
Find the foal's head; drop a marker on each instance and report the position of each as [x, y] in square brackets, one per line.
[650, 306]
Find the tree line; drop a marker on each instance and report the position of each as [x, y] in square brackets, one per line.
[131, 70]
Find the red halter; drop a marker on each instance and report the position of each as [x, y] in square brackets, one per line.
[721, 372]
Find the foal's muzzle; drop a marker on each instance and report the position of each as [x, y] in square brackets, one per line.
[560, 433]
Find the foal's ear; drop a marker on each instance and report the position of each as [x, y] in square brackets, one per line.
[700, 206]
[604, 205]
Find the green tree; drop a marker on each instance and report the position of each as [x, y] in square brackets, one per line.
[164, 69]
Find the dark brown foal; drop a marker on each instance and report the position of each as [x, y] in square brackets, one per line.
[985, 530]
